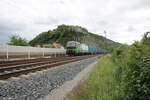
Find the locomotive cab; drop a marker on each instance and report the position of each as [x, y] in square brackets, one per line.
[72, 48]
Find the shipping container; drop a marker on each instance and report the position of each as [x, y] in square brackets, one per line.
[91, 49]
[83, 48]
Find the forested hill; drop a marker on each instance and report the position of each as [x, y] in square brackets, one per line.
[64, 33]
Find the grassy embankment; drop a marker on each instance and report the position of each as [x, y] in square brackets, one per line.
[123, 75]
[102, 84]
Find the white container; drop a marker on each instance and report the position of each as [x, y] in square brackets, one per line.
[83, 48]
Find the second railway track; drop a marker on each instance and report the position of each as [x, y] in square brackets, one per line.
[25, 68]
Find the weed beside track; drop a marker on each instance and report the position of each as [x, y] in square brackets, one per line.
[102, 84]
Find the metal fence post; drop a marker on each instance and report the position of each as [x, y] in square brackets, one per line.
[7, 55]
[55, 54]
[29, 54]
[43, 54]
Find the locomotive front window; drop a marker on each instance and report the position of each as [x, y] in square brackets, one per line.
[71, 44]
[70, 47]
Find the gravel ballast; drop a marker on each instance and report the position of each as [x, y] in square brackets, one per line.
[41, 84]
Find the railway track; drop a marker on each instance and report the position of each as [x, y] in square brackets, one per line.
[9, 63]
[15, 69]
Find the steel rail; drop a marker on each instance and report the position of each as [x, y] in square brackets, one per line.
[26, 70]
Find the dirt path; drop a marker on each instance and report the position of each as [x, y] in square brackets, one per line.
[61, 92]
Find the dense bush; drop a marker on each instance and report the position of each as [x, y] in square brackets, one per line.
[137, 76]
[134, 69]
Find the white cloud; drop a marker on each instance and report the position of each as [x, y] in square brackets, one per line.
[124, 20]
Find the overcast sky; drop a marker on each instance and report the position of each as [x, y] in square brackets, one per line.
[124, 20]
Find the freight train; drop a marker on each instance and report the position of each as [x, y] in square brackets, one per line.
[75, 48]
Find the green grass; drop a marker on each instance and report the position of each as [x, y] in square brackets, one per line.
[102, 84]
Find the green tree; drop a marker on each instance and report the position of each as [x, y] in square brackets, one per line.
[146, 38]
[18, 41]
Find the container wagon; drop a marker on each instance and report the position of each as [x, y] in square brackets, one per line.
[83, 49]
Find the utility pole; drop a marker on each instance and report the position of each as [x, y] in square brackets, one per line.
[105, 39]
